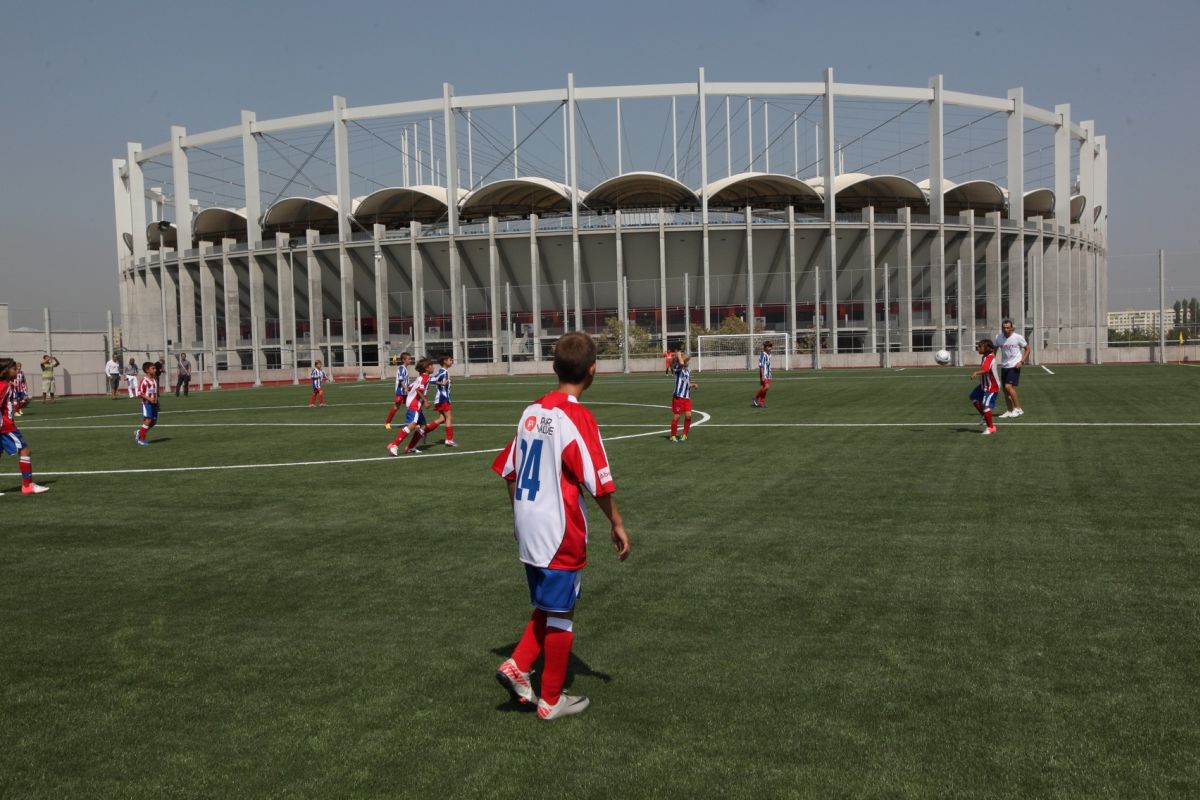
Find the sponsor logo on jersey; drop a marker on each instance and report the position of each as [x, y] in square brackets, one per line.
[546, 426]
[530, 422]
[605, 475]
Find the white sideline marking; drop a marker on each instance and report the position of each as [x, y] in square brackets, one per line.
[294, 425]
[1184, 364]
[704, 417]
[1043, 366]
[951, 424]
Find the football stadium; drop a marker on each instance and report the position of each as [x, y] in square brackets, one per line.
[842, 587]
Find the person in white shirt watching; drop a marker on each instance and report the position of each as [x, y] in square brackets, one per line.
[1014, 352]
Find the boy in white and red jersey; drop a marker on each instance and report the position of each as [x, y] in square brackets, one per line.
[402, 381]
[318, 377]
[148, 393]
[441, 403]
[11, 441]
[414, 415]
[22, 391]
[984, 395]
[764, 376]
[681, 400]
[557, 448]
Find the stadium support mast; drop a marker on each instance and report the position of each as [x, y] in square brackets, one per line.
[831, 205]
[576, 255]
[457, 312]
[703, 117]
[937, 173]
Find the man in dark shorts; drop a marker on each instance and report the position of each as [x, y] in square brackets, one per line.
[1014, 352]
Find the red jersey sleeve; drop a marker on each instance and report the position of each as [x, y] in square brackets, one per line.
[505, 464]
[586, 458]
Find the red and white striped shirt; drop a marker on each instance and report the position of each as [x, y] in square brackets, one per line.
[415, 399]
[148, 389]
[557, 448]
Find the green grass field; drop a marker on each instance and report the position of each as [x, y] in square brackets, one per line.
[848, 594]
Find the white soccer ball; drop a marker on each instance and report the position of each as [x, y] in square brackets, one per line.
[942, 357]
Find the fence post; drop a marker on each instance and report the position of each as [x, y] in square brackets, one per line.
[508, 323]
[887, 322]
[1096, 303]
[362, 375]
[466, 343]
[215, 383]
[687, 317]
[624, 287]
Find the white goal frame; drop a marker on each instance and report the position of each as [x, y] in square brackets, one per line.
[752, 340]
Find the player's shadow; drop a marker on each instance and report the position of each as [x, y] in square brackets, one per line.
[159, 440]
[576, 666]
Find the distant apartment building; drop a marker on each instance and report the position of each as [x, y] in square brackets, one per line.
[1133, 320]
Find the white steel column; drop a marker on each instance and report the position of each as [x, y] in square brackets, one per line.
[458, 330]
[873, 300]
[1062, 213]
[791, 234]
[966, 256]
[383, 313]
[233, 308]
[622, 297]
[662, 276]
[208, 301]
[141, 327]
[418, 285]
[183, 237]
[250, 176]
[258, 311]
[576, 254]
[1016, 208]
[674, 143]
[748, 216]
[285, 293]
[494, 284]
[831, 206]
[937, 209]
[535, 291]
[121, 209]
[316, 297]
[341, 159]
[620, 169]
[703, 117]
[904, 275]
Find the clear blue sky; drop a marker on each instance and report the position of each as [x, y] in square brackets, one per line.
[82, 79]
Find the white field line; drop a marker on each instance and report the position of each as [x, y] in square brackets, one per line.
[1182, 364]
[163, 425]
[422, 456]
[1006, 425]
[1043, 366]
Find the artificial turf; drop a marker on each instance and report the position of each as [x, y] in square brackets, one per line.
[850, 593]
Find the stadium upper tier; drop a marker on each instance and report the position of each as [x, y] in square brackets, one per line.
[397, 207]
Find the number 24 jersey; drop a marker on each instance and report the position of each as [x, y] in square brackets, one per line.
[557, 448]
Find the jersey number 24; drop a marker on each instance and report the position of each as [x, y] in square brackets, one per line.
[529, 470]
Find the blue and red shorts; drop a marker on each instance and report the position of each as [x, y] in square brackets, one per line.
[150, 411]
[987, 399]
[414, 416]
[12, 442]
[554, 590]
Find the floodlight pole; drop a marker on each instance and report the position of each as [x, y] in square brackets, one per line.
[887, 322]
[1096, 302]
[1162, 309]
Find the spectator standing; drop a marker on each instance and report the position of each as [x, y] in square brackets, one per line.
[184, 376]
[1014, 352]
[112, 375]
[49, 363]
[131, 378]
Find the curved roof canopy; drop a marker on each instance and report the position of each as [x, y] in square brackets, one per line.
[641, 190]
[514, 197]
[1078, 203]
[397, 206]
[1038, 203]
[886, 193]
[295, 215]
[215, 224]
[978, 196]
[762, 190]
[162, 234]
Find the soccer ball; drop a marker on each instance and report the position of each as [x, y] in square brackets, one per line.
[942, 357]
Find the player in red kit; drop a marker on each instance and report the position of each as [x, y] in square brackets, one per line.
[414, 415]
[557, 449]
[148, 393]
[11, 441]
[984, 395]
[402, 381]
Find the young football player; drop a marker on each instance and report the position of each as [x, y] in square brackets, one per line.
[983, 396]
[414, 416]
[148, 394]
[402, 381]
[11, 440]
[681, 400]
[441, 403]
[764, 375]
[318, 376]
[557, 448]
[22, 391]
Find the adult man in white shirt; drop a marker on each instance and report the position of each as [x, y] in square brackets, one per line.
[1014, 352]
[112, 374]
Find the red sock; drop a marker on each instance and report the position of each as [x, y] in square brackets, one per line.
[450, 433]
[391, 416]
[312, 399]
[558, 653]
[687, 425]
[530, 646]
[142, 432]
[987, 416]
[979, 406]
[674, 425]
[26, 470]
[399, 440]
[429, 428]
[416, 437]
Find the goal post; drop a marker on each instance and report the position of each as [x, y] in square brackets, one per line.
[746, 345]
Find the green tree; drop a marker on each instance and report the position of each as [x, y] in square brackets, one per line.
[609, 341]
[1178, 313]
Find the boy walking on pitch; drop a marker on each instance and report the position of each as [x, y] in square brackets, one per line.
[148, 394]
[414, 416]
[318, 377]
[764, 376]
[556, 449]
[681, 401]
[11, 440]
[402, 381]
[441, 403]
[984, 395]
[21, 388]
